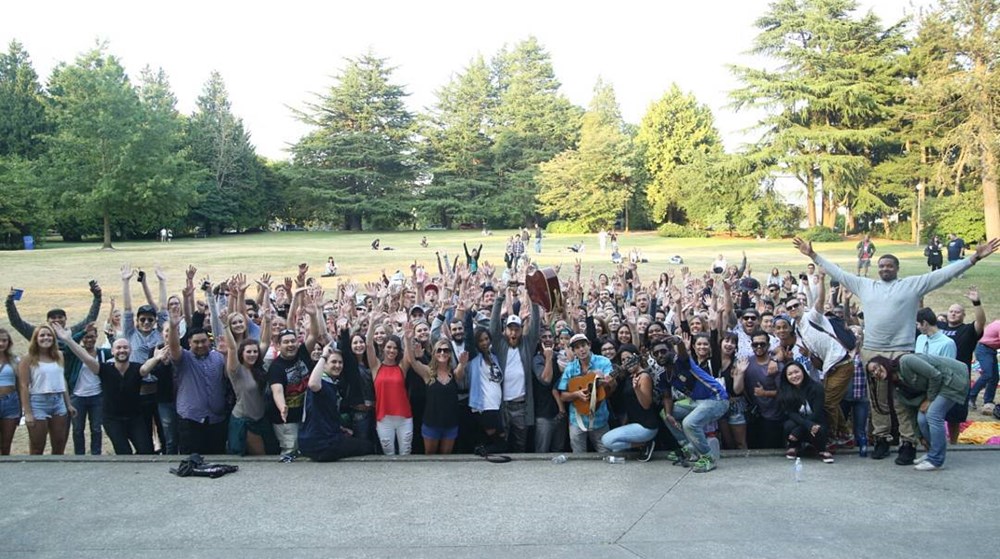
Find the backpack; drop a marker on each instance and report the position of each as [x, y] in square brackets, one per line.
[843, 333]
[840, 331]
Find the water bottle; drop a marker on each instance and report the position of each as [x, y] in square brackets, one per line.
[561, 459]
[797, 470]
[863, 445]
[614, 459]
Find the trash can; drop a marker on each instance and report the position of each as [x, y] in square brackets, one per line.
[29, 242]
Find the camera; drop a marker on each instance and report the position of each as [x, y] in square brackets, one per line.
[206, 285]
[140, 277]
[803, 277]
[717, 270]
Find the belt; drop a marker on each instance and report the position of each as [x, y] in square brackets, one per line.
[520, 400]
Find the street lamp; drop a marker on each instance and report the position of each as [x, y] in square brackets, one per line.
[918, 188]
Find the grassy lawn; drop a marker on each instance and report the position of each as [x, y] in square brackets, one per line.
[57, 275]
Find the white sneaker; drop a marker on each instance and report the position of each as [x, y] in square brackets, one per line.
[921, 460]
[926, 466]
[988, 409]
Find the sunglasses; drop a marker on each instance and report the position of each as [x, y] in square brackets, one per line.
[442, 350]
[792, 306]
[147, 319]
[759, 344]
[749, 317]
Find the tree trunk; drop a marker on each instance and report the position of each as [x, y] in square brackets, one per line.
[990, 205]
[354, 221]
[849, 223]
[810, 198]
[107, 231]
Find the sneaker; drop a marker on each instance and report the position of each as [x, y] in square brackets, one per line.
[703, 465]
[972, 404]
[921, 460]
[647, 452]
[926, 466]
[905, 454]
[881, 450]
[826, 457]
[988, 408]
[791, 454]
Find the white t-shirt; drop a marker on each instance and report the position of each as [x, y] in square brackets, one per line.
[87, 384]
[491, 388]
[513, 377]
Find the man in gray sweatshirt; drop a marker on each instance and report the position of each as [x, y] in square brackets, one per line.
[890, 303]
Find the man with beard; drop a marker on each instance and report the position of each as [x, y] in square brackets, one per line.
[886, 300]
[288, 377]
[515, 350]
[120, 381]
[550, 417]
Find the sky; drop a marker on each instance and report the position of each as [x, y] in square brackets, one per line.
[275, 56]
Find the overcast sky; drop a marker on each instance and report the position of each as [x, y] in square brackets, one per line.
[275, 55]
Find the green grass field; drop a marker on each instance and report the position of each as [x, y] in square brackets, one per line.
[57, 275]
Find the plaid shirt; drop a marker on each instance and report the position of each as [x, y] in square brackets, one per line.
[858, 382]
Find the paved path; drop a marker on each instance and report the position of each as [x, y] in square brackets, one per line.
[749, 507]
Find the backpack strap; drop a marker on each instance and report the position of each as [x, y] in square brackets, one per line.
[834, 336]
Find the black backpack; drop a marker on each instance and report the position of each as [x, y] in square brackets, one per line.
[843, 333]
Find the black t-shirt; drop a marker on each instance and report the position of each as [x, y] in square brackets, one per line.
[293, 375]
[955, 248]
[965, 338]
[120, 391]
[442, 405]
[545, 405]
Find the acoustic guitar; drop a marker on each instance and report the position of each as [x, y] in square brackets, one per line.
[597, 390]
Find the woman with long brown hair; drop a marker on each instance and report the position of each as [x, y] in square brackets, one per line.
[44, 398]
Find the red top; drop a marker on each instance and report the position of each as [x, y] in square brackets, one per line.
[991, 335]
[390, 393]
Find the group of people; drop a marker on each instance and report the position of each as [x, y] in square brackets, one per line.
[465, 361]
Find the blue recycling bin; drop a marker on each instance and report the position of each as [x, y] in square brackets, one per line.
[29, 242]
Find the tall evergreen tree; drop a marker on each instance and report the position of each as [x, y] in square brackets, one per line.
[23, 123]
[533, 122]
[675, 132]
[358, 161]
[96, 113]
[457, 149]
[827, 99]
[230, 193]
[591, 184]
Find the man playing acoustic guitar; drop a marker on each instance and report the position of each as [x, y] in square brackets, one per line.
[585, 382]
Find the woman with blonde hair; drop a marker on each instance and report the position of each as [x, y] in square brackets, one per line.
[44, 398]
[10, 404]
[440, 420]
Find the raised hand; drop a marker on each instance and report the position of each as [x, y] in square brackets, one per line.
[973, 294]
[804, 246]
[190, 272]
[160, 275]
[985, 249]
[127, 272]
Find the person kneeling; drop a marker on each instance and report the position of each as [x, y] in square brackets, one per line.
[801, 399]
[321, 437]
[643, 419]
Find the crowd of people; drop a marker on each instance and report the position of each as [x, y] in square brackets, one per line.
[464, 361]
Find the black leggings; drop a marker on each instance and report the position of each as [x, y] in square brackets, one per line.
[343, 448]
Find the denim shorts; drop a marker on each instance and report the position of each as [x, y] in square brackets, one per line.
[736, 415]
[439, 433]
[44, 406]
[10, 406]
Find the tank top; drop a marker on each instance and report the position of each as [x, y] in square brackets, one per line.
[648, 418]
[7, 376]
[442, 404]
[390, 393]
[47, 378]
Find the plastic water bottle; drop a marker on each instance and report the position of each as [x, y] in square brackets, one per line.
[797, 470]
[863, 445]
[614, 459]
[561, 459]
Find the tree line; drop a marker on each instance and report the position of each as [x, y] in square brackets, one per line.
[871, 122]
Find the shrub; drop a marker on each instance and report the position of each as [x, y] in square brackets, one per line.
[821, 234]
[673, 230]
[563, 227]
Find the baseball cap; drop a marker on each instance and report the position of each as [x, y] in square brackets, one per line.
[146, 309]
[514, 320]
[577, 338]
[430, 287]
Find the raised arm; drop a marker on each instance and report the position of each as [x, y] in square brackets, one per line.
[67, 338]
[93, 312]
[173, 336]
[14, 317]
[374, 364]
[161, 355]
[161, 280]
[127, 273]
[232, 350]
[146, 291]
[977, 308]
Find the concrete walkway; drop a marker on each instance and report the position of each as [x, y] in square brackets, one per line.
[109, 507]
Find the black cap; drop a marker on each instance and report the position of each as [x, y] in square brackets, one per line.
[146, 309]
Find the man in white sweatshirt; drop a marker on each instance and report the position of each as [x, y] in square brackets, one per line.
[890, 303]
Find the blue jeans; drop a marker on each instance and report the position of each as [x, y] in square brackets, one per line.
[622, 438]
[694, 420]
[92, 406]
[932, 428]
[987, 380]
[859, 411]
[168, 420]
[538, 246]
